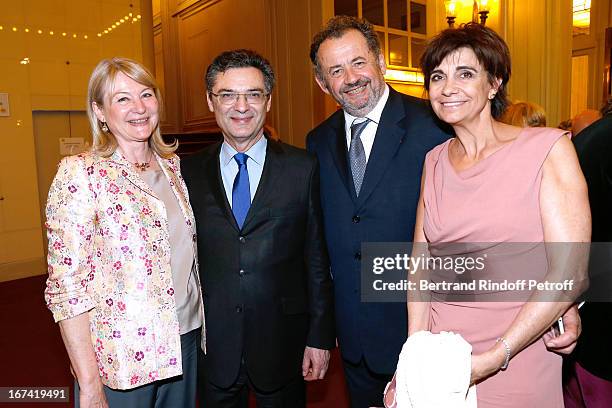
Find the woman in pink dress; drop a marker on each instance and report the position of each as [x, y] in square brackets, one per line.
[497, 184]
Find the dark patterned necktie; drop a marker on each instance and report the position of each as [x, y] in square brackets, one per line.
[357, 155]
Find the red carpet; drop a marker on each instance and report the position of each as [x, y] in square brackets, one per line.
[32, 353]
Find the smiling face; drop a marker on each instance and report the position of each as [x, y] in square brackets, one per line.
[350, 73]
[131, 110]
[241, 122]
[460, 90]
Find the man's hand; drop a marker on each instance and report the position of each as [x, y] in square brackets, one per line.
[566, 342]
[315, 363]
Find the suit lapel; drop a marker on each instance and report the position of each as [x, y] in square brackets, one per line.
[273, 168]
[212, 169]
[339, 150]
[389, 137]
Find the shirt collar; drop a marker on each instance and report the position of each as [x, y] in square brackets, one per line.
[257, 152]
[374, 115]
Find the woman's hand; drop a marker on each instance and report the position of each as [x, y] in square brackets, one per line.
[77, 339]
[486, 364]
[92, 395]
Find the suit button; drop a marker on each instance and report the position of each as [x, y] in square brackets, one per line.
[238, 309]
[356, 219]
[241, 272]
[358, 255]
[242, 240]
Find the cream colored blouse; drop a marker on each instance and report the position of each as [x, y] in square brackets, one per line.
[182, 259]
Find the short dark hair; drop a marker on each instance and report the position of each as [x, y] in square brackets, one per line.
[241, 58]
[490, 49]
[336, 27]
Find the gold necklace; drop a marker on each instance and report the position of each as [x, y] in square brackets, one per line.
[144, 165]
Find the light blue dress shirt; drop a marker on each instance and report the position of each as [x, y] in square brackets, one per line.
[255, 164]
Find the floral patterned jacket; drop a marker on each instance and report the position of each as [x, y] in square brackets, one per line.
[109, 255]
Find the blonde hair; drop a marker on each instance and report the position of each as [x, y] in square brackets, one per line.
[100, 86]
[524, 114]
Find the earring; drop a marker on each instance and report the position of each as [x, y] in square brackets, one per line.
[492, 95]
[104, 127]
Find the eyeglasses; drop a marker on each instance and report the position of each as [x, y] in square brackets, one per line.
[230, 98]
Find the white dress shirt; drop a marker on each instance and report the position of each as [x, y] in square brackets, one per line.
[255, 164]
[369, 133]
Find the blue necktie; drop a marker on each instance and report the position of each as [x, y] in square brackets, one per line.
[241, 191]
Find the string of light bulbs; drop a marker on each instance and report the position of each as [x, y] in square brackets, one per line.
[128, 18]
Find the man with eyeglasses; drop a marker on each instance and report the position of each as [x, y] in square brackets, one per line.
[263, 262]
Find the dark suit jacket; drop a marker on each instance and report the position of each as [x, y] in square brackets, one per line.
[594, 148]
[267, 289]
[384, 212]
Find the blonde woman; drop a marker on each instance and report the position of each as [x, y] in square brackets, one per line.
[123, 281]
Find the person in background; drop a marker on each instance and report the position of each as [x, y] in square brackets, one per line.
[565, 125]
[583, 120]
[590, 369]
[606, 109]
[524, 114]
[497, 184]
[264, 266]
[123, 280]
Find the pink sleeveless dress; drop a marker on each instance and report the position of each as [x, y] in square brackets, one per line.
[496, 201]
